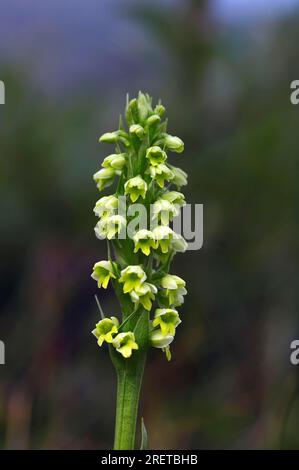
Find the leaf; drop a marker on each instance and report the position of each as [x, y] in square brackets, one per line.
[144, 436]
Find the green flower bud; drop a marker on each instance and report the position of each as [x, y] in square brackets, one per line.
[164, 211]
[144, 240]
[132, 277]
[109, 137]
[179, 176]
[106, 206]
[174, 197]
[136, 187]
[116, 136]
[174, 289]
[160, 174]
[105, 329]
[104, 177]
[179, 244]
[103, 271]
[155, 155]
[116, 161]
[144, 106]
[152, 120]
[137, 130]
[163, 235]
[132, 114]
[144, 295]
[167, 319]
[158, 340]
[124, 343]
[175, 144]
[159, 109]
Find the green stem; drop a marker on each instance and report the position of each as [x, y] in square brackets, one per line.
[129, 380]
[127, 401]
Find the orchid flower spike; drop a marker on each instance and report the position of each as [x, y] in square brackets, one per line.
[139, 175]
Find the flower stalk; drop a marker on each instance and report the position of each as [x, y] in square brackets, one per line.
[138, 266]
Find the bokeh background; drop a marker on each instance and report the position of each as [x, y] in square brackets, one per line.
[223, 70]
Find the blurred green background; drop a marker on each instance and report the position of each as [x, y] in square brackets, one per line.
[223, 70]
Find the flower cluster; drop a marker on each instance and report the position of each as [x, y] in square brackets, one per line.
[138, 267]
